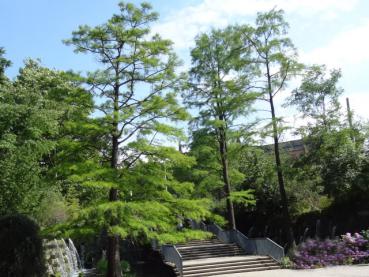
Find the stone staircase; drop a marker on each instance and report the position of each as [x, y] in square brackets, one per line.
[214, 257]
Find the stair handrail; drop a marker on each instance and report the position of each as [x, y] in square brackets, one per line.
[266, 246]
[259, 246]
[172, 255]
[278, 250]
[253, 246]
[221, 234]
[241, 240]
[203, 226]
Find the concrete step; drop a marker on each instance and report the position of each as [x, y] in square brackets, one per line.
[205, 245]
[231, 271]
[207, 251]
[220, 254]
[197, 242]
[216, 268]
[216, 250]
[210, 251]
[210, 256]
[225, 252]
[210, 245]
[200, 253]
[225, 262]
[226, 259]
[214, 257]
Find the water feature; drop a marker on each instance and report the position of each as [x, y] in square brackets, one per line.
[74, 255]
[62, 258]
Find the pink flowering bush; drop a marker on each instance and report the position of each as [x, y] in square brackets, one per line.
[320, 253]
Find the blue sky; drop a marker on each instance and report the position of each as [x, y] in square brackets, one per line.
[334, 32]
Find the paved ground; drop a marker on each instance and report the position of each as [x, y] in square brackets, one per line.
[338, 271]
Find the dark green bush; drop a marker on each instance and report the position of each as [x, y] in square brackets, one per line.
[21, 252]
[102, 267]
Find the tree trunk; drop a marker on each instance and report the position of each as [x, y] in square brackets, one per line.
[349, 119]
[113, 253]
[282, 189]
[227, 185]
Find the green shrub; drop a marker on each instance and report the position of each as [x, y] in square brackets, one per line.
[286, 263]
[125, 266]
[102, 267]
[21, 252]
[365, 234]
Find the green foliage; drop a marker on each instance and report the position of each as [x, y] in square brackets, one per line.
[42, 114]
[21, 252]
[304, 188]
[217, 86]
[183, 236]
[220, 91]
[334, 155]
[287, 263]
[27, 120]
[338, 160]
[272, 51]
[318, 96]
[138, 220]
[136, 101]
[207, 172]
[365, 234]
[244, 198]
[275, 58]
[153, 206]
[303, 185]
[67, 141]
[102, 267]
[4, 63]
[145, 85]
[54, 208]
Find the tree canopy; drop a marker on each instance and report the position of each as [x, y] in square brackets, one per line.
[93, 155]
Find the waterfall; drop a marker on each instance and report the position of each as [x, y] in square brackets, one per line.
[62, 257]
[76, 259]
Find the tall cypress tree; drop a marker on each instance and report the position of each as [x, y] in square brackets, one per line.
[220, 92]
[276, 59]
[135, 92]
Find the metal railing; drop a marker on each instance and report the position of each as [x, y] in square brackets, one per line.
[222, 235]
[252, 246]
[172, 255]
[198, 225]
[258, 246]
[265, 246]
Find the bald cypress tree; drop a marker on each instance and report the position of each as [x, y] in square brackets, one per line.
[135, 93]
[220, 92]
[276, 59]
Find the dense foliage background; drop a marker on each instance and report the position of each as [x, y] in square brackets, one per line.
[94, 156]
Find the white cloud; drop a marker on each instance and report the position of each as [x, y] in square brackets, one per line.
[183, 25]
[346, 49]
